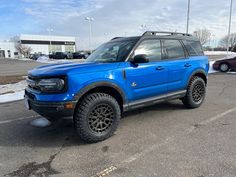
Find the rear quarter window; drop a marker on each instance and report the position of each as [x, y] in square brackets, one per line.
[194, 48]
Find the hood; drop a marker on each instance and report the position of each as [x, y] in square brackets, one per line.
[66, 68]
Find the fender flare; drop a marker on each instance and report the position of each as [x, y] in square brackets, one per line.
[89, 87]
[199, 71]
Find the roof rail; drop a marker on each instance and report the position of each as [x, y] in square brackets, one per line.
[151, 33]
[115, 38]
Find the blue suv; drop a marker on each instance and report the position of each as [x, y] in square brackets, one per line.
[123, 74]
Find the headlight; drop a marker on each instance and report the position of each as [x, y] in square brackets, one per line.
[51, 85]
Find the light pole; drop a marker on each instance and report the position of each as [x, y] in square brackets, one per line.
[90, 19]
[214, 42]
[143, 28]
[50, 30]
[230, 16]
[188, 11]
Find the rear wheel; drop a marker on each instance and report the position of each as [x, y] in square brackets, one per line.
[196, 93]
[224, 67]
[97, 117]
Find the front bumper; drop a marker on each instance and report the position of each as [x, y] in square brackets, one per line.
[51, 110]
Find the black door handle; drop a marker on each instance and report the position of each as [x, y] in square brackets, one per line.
[159, 68]
[187, 65]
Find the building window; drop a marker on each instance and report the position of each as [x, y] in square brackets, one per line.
[69, 48]
[9, 53]
[54, 48]
[2, 54]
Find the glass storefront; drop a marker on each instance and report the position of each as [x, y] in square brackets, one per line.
[69, 48]
[54, 48]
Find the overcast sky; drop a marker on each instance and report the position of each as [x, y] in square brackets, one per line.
[111, 17]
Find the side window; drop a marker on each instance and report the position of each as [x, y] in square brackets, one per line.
[151, 48]
[194, 47]
[173, 49]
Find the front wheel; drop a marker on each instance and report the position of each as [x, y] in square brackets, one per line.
[196, 93]
[96, 118]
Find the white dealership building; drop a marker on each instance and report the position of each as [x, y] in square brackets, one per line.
[43, 44]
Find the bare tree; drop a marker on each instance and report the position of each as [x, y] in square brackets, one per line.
[203, 35]
[232, 41]
[23, 49]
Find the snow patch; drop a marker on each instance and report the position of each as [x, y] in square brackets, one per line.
[231, 54]
[12, 97]
[40, 122]
[211, 70]
[19, 86]
[45, 59]
[12, 92]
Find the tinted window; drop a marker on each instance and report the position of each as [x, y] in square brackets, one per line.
[151, 48]
[173, 49]
[194, 47]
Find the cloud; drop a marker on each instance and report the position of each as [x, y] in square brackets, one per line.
[122, 17]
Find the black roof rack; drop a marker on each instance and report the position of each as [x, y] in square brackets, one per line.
[115, 38]
[151, 33]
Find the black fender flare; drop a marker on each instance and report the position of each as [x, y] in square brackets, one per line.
[89, 87]
[199, 71]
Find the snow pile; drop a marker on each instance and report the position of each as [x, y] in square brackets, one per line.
[22, 59]
[231, 54]
[12, 92]
[10, 88]
[11, 97]
[45, 59]
[211, 70]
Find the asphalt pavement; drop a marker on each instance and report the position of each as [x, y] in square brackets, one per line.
[165, 140]
[13, 67]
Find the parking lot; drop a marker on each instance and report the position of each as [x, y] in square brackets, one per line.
[162, 140]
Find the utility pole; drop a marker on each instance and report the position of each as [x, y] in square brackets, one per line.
[50, 30]
[90, 19]
[188, 11]
[230, 17]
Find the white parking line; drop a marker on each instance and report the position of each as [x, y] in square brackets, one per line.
[168, 140]
[22, 118]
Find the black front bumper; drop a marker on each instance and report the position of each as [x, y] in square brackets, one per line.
[52, 110]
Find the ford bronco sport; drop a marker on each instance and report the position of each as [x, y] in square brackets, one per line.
[123, 74]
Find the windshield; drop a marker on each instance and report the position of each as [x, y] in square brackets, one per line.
[111, 52]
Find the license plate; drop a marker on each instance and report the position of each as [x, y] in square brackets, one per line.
[26, 102]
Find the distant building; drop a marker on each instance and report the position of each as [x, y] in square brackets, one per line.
[8, 50]
[44, 44]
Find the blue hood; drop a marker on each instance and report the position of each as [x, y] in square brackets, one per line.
[65, 68]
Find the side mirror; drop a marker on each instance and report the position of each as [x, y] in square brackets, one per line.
[140, 59]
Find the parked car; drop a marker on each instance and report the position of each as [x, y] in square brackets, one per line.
[79, 55]
[61, 55]
[225, 64]
[122, 74]
[35, 56]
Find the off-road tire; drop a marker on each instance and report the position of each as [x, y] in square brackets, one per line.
[196, 93]
[92, 109]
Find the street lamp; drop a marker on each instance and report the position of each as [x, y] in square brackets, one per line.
[230, 16]
[90, 19]
[50, 30]
[188, 11]
[143, 27]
